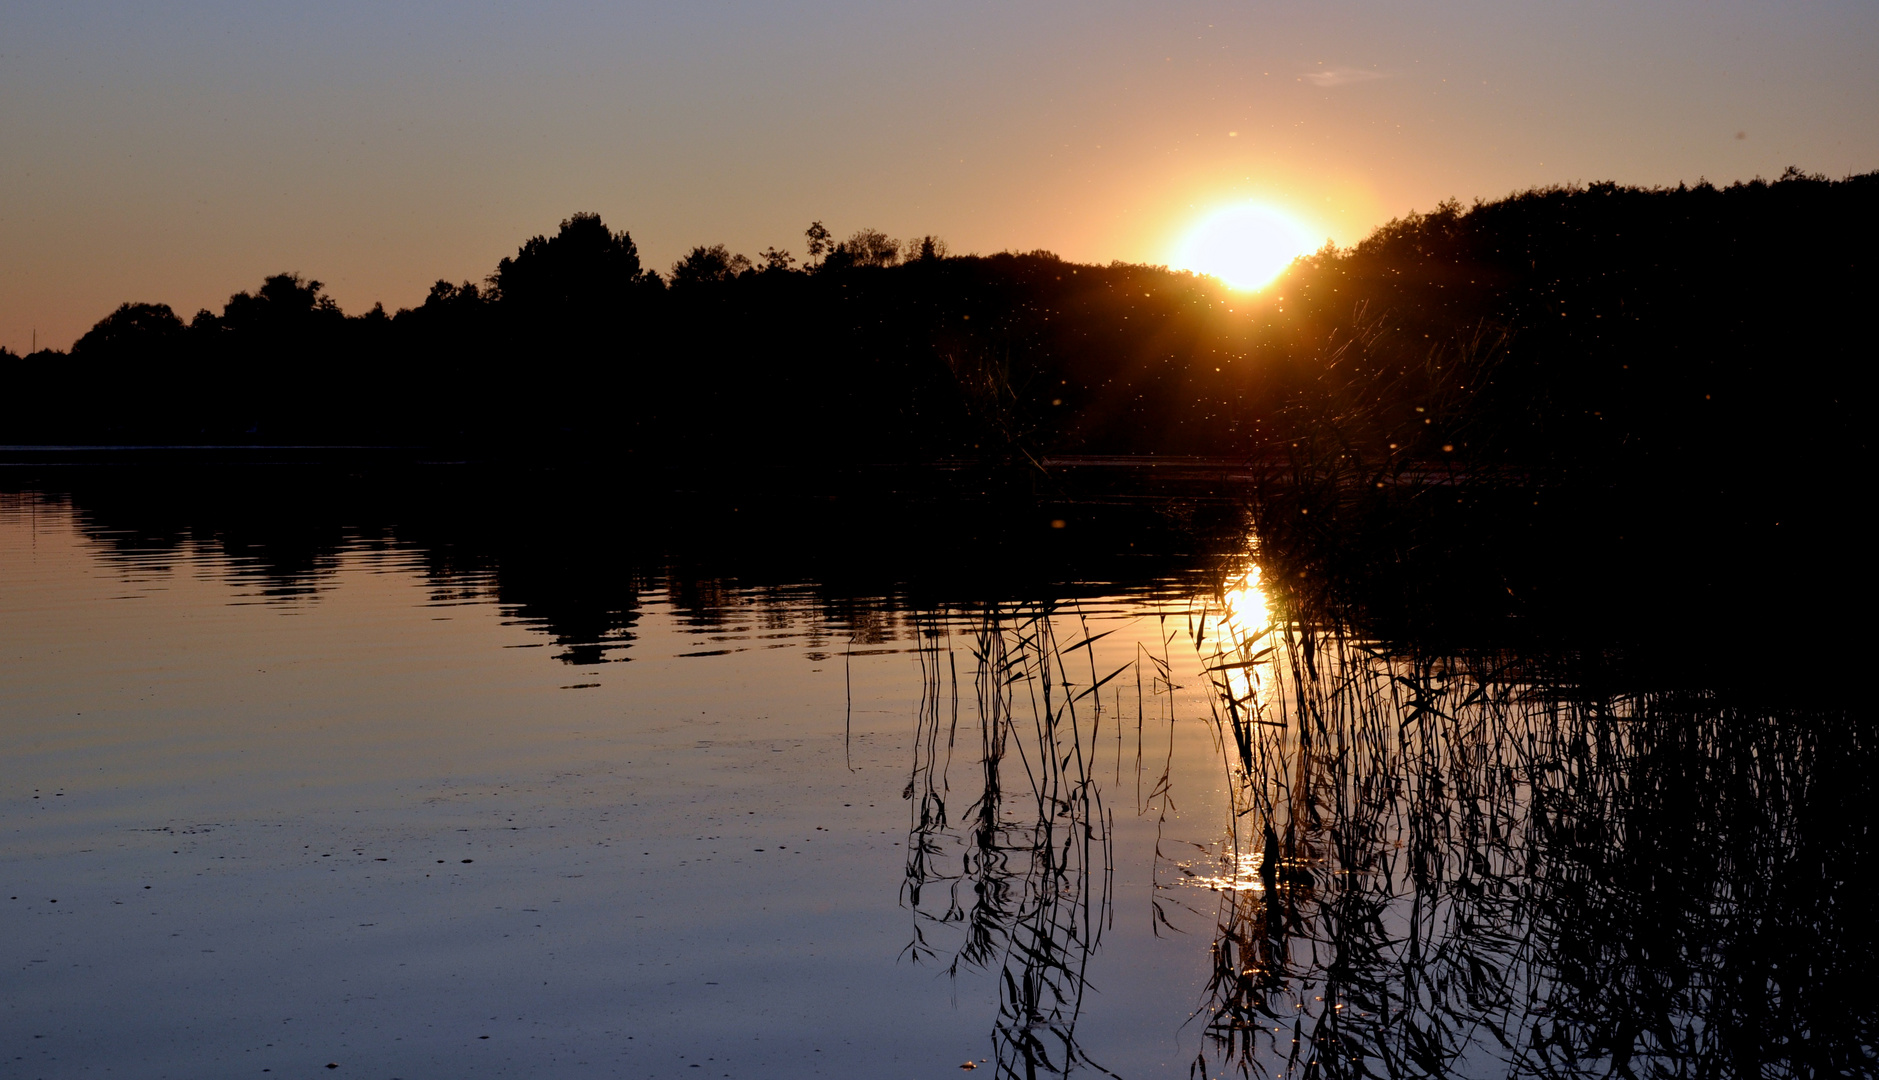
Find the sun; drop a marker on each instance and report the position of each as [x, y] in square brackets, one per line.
[1245, 245]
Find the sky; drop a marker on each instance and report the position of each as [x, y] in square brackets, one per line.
[179, 152]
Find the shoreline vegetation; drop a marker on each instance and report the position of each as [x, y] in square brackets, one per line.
[1598, 412]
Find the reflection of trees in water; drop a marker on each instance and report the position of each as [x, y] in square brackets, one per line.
[1023, 880]
[285, 557]
[1455, 868]
[769, 558]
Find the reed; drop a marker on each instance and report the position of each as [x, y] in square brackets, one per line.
[1433, 862]
[1467, 865]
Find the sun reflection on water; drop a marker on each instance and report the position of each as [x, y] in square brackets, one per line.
[1239, 873]
[1237, 637]
[1248, 612]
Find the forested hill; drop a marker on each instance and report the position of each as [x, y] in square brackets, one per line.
[1688, 326]
[1697, 323]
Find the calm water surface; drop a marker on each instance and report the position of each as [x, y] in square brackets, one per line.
[416, 805]
[367, 813]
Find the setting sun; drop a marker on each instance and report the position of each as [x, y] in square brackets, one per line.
[1245, 245]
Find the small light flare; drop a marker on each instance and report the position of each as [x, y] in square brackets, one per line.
[1245, 245]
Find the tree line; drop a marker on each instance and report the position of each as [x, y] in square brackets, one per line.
[1685, 329]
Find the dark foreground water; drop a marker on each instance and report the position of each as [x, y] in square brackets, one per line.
[421, 784]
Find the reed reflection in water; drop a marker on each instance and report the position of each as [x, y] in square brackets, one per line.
[1456, 865]
[1471, 865]
[1026, 879]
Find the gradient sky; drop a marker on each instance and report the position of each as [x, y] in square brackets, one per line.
[178, 152]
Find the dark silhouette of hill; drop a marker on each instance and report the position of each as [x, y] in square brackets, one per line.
[1703, 329]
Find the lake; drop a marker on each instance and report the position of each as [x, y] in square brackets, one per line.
[433, 771]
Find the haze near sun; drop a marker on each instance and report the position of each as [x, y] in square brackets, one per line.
[1245, 245]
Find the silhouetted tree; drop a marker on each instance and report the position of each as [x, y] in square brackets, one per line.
[131, 329]
[579, 305]
[129, 362]
[707, 264]
[820, 243]
[870, 247]
[286, 306]
[584, 268]
[444, 293]
[928, 248]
